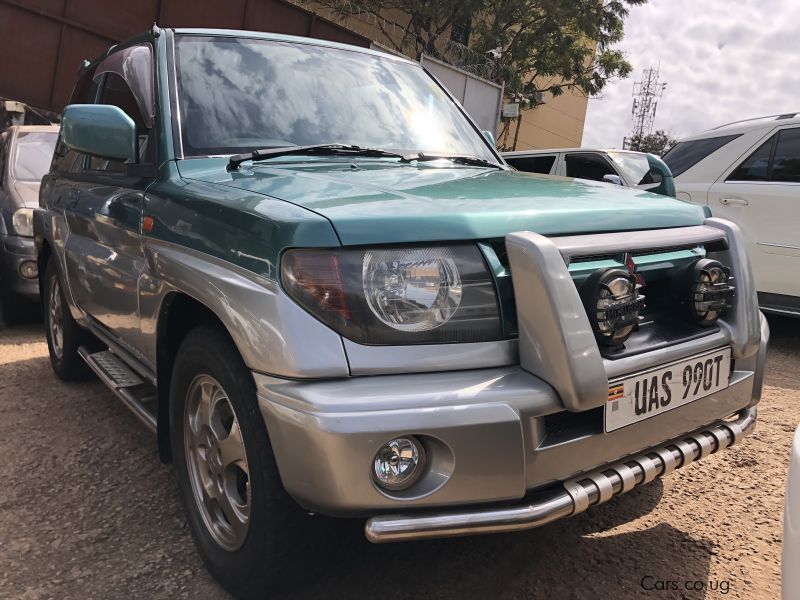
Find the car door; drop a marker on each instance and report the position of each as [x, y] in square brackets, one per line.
[104, 256]
[761, 193]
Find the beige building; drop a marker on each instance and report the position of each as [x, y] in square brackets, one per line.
[556, 124]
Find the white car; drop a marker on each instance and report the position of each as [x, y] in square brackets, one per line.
[749, 172]
[622, 167]
[790, 574]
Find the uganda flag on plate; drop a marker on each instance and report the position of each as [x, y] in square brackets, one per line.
[615, 392]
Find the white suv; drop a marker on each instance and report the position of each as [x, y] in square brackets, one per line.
[749, 172]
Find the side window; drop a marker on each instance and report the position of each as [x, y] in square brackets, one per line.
[116, 92]
[126, 81]
[756, 166]
[588, 166]
[532, 164]
[684, 155]
[65, 159]
[786, 164]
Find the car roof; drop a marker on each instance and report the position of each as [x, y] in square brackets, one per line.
[745, 125]
[554, 150]
[278, 37]
[35, 128]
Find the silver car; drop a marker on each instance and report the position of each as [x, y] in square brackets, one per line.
[25, 155]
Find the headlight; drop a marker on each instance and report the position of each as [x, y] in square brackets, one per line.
[397, 295]
[705, 288]
[23, 222]
[612, 304]
[412, 290]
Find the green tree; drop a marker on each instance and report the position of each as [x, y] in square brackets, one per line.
[656, 143]
[533, 47]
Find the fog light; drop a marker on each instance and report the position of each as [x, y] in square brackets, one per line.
[399, 463]
[613, 303]
[29, 269]
[706, 287]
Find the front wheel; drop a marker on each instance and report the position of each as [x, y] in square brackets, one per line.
[246, 527]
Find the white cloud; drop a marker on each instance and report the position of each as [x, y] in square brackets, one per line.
[723, 61]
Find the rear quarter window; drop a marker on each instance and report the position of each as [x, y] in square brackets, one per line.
[684, 155]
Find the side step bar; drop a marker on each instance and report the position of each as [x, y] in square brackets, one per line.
[574, 497]
[134, 392]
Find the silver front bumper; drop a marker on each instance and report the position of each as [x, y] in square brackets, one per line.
[573, 497]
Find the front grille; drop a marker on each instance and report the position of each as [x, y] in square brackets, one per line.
[634, 253]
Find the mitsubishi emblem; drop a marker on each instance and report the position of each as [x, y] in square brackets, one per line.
[631, 266]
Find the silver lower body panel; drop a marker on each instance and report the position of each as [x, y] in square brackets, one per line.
[572, 497]
[487, 433]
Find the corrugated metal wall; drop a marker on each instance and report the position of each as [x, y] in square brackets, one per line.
[42, 42]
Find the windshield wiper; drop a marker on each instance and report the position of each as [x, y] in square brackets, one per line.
[457, 158]
[314, 150]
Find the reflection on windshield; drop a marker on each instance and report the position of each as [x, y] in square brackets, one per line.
[635, 166]
[238, 95]
[33, 155]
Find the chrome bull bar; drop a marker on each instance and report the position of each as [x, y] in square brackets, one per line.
[576, 495]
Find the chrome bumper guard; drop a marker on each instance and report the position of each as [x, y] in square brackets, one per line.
[576, 495]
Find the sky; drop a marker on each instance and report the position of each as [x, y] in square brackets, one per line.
[722, 60]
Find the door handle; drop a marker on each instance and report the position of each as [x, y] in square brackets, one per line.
[733, 201]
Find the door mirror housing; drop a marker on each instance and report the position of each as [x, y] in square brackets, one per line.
[489, 136]
[615, 179]
[100, 130]
[661, 180]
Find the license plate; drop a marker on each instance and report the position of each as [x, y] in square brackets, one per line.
[654, 392]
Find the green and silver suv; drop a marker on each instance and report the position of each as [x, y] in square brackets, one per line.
[307, 271]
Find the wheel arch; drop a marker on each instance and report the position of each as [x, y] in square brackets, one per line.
[178, 315]
[43, 256]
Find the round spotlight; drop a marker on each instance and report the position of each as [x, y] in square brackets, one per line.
[399, 463]
[29, 269]
[706, 287]
[612, 303]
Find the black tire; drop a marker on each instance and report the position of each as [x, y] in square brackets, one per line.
[67, 363]
[278, 530]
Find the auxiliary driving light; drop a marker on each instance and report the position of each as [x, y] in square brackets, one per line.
[399, 463]
[612, 303]
[705, 287]
[29, 269]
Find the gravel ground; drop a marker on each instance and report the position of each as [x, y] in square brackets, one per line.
[87, 511]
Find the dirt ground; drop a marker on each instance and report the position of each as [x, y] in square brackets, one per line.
[87, 511]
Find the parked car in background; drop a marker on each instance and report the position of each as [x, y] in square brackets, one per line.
[25, 155]
[303, 285]
[749, 172]
[623, 167]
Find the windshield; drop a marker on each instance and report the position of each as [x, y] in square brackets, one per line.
[34, 151]
[635, 166]
[238, 95]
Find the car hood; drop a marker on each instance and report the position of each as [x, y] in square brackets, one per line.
[372, 202]
[26, 193]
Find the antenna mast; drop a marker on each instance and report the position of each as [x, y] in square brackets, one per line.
[646, 94]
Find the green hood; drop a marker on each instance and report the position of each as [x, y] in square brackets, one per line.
[377, 202]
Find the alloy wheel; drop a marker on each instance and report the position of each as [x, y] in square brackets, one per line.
[217, 462]
[56, 319]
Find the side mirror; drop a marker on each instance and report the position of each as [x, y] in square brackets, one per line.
[615, 179]
[660, 177]
[100, 130]
[489, 136]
